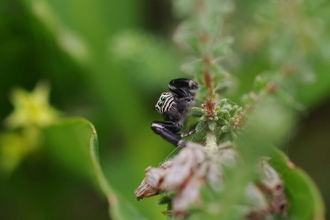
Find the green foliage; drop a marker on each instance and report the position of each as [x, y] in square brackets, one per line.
[73, 144]
[268, 122]
[225, 123]
[144, 58]
[103, 66]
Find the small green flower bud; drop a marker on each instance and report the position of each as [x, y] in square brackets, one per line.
[232, 121]
[223, 101]
[239, 111]
[224, 128]
[235, 107]
[196, 112]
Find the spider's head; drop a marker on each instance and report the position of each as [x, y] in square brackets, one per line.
[164, 102]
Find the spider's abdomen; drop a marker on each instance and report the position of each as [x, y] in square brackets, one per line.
[165, 102]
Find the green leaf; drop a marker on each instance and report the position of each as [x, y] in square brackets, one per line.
[211, 125]
[200, 126]
[305, 201]
[74, 144]
[196, 112]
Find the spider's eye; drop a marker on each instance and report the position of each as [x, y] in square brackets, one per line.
[160, 104]
[163, 98]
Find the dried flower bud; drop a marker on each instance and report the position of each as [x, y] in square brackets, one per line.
[272, 183]
[145, 190]
[184, 175]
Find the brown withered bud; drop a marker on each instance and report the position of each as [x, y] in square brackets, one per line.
[186, 173]
[209, 106]
[271, 189]
[150, 185]
[145, 190]
[195, 165]
[273, 185]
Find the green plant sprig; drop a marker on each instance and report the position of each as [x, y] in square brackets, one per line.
[224, 172]
[200, 33]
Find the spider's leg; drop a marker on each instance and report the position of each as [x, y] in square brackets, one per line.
[183, 135]
[182, 86]
[168, 131]
[183, 83]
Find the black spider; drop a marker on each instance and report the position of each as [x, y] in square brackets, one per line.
[173, 106]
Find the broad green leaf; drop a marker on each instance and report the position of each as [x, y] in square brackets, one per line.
[305, 201]
[74, 144]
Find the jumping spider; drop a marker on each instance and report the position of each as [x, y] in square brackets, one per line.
[174, 106]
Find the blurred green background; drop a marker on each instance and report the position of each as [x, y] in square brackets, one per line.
[109, 60]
